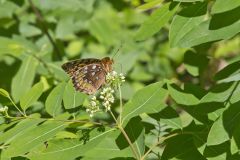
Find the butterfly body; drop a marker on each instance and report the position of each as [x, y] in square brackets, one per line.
[88, 75]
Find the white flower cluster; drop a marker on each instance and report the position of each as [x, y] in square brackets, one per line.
[107, 96]
[3, 109]
[94, 106]
[113, 78]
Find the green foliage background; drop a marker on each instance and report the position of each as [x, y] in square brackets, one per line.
[181, 95]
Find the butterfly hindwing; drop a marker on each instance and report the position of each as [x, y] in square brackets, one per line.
[94, 75]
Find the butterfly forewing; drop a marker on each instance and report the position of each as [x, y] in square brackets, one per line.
[87, 75]
[73, 66]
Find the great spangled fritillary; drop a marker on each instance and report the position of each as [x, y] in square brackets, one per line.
[88, 75]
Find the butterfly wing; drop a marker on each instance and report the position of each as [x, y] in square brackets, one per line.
[87, 76]
[75, 65]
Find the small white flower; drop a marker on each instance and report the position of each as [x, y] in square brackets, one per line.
[93, 106]
[3, 109]
[93, 103]
[114, 73]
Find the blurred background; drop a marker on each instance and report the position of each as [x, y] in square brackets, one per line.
[96, 28]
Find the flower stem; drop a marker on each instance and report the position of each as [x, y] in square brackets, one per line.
[121, 104]
[113, 117]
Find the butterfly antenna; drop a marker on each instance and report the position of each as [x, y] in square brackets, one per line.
[121, 45]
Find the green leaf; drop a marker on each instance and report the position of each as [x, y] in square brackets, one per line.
[20, 129]
[217, 134]
[7, 9]
[150, 99]
[156, 21]
[150, 4]
[135, 131]
[10, 46]
[54, 100]
[181, 147]
[199, 134]
[236, 137]
[182, 97]
[129, 60]
[72, 5]
[65, 134]
[108, 149]
[219, 93]
[58, 71]
[195, 63]
[219, 152]
[189, 1]
[29, 30]
[4, 93]
[235, 95]
[31, 96]
[104, 30]
[169, 117]
[223, 6]
[185, 21]
[70, 149]
[224, 127]
[71, 97]
[212, 30]
[34, 137]
[65, 28]
[229, 74]
[23, 80]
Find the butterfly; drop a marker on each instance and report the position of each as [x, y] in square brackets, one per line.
[88, 75]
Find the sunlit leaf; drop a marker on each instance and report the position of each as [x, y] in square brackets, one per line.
[70, 149]
[10, 46]
[71, 97]
[150, 99]
[21, 128]
[149, 5]
[23, 80]
[34, 137]
[54, 100]
[182, 97]
[156, 21]
[31, 96]
[223, 6]
[185, 21]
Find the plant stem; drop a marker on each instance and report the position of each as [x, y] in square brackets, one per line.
[129, 142]
[159, 142]
[44, 28]
[17, 107]
[126, 136]
[113, 117]
[121, 104]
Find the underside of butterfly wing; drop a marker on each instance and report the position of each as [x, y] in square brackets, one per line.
[87, 78]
